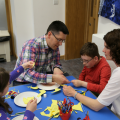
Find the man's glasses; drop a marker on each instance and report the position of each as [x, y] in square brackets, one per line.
[59, 40]
[85, 61]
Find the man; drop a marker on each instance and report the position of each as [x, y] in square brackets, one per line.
[44, 51]
[96, 71]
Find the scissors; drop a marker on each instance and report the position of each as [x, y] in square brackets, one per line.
[69, 102]
[87, 116]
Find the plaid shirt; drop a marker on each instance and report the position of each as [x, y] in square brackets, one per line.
[45, 59]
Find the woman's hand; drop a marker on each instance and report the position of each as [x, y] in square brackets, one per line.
[68, 91]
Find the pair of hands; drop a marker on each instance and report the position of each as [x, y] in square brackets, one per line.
[78, 83]
[69, 91]
[58, 77]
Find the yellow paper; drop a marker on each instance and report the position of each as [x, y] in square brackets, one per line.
[75, 111]
[26, 100]
[56, 90]
[84, 93]
[41, 92]
[33, 64]
[63, 85]
[52, 110]
[29, 86]
[34, 87]
[77, 107]
[9, 96]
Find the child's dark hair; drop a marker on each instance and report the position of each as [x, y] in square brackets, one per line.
[90, 49]
[4, 80]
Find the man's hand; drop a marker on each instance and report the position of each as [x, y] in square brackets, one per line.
[78, 83]
[57, 71]
[68, 91]
[60, 79]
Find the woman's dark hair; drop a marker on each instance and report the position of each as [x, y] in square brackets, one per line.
[90, 49]
[4, 80]
[112, 40]
[57, 26]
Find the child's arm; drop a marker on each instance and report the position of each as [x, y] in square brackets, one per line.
[15, 73]
[3, 115]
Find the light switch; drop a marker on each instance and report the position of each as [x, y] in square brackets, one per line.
[55, 2]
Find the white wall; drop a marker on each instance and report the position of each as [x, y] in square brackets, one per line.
[3, 18]
[44, 13]
[32, 17]
[105, 25]
[23, 27]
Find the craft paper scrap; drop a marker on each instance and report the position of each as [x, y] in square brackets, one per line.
[12, 92]
[41, 92]
[53, 110]
[75, 111]
[84, 93]
[33, 64]
[56, 90]
[29, 86]
[77, 107]
[63, 85]
[26, 100]
[34, 87]
[7, 97]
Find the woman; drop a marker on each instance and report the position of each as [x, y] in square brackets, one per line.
[111, 93]
[5, 79]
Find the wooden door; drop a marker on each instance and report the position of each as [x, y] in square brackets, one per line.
[93, 18]
[78, 20]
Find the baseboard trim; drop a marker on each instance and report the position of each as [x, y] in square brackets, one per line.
[62, 57]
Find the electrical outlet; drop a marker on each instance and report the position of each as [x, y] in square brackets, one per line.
[55, 2]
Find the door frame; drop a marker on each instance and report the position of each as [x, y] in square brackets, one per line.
[10, 27]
